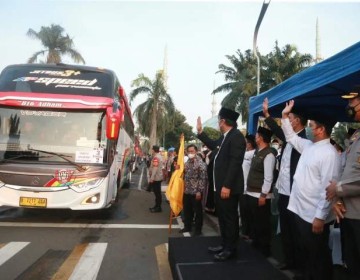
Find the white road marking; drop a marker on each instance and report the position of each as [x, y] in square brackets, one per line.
[58, 225]
[181, 225]
[90, 262]
[11, 249]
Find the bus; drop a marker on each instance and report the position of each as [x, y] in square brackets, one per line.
[66, 137]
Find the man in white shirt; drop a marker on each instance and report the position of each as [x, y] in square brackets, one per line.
[319, 163]
[258, 194]
[244, 217]
[289, 158]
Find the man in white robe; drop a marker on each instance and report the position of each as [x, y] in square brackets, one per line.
[319, 163]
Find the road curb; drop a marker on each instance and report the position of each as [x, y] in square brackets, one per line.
[161, 252]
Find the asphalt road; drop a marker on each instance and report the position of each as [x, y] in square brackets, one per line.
[120, 243]
[125, 242]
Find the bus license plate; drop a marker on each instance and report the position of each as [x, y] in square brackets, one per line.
[33, 202]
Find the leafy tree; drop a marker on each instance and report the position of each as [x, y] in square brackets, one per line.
[157, 107]
[284, 63]
[56, 44]
[179, 126]
[241, 77]
[240, 81]
[212, 133]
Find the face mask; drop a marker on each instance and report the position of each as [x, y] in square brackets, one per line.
[350, 111]
[309, 134]
[191, 156]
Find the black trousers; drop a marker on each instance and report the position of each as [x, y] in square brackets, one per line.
[351, 246]
[210, 200]
[244, 215]
[191, 207]
[289, 238]
[227, 212]
[260, 217]
[156, 187]
[316, 255]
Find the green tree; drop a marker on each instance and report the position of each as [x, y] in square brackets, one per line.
[284, 63]
[157, 107]
[211, 132]
[174, 131]
[241, 76]
[56, 44]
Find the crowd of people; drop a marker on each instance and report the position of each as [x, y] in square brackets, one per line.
[308, 178]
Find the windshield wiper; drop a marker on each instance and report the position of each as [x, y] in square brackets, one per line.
[20, 156]
[78, 166]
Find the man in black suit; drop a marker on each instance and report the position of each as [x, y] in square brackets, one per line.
[229, 152]
[288, 162]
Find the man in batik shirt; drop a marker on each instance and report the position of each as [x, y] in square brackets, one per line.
[195, 184]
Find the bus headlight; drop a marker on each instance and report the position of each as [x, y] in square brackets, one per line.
[86, 184]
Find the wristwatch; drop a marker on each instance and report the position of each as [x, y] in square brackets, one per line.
[263, 195]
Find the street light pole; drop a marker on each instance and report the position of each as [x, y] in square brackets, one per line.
[262, 13]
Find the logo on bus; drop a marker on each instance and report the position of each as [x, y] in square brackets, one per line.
[63, 175]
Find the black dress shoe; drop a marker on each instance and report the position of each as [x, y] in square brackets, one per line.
[298, 277]
[224, 255]
[155, 210]
[215, 249]
[184, 230]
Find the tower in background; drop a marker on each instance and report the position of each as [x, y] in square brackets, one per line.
[165, 69]
[213, 105]
[318, 57]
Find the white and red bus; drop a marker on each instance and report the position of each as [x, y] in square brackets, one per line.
[66, 136]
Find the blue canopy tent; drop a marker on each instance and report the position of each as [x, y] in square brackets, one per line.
[316, 90]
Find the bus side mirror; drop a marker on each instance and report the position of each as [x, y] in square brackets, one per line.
[113, 122]
[121, 92]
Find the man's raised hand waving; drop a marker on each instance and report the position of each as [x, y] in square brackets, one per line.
[287, 109]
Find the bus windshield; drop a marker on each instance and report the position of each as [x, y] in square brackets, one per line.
[52, 136]
[56, 79]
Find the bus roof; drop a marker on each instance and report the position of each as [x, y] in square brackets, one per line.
[62, 66]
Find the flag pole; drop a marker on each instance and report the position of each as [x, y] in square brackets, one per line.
[170, 221]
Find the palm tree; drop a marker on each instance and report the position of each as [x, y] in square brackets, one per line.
[284, 63]
[56, 44]
[157, 107]
[240, 78]
[241, 81]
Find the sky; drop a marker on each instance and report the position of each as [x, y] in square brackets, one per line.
[130, 37]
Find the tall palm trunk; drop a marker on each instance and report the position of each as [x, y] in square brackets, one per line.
[153, 126]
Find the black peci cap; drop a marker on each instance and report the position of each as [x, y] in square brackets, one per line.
[325, 120]
[225, 113]
[265, 133]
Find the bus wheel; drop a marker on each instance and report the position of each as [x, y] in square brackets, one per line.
[118, 180]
